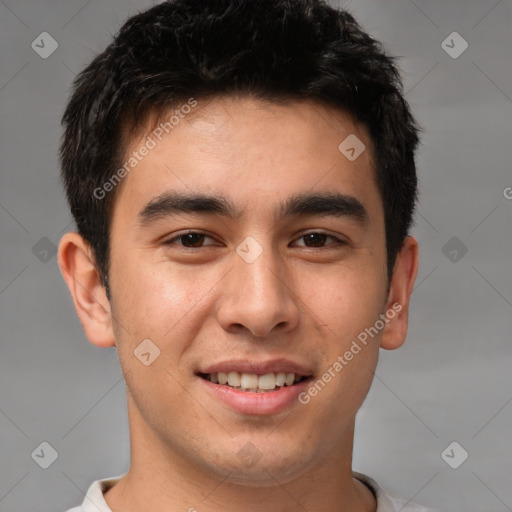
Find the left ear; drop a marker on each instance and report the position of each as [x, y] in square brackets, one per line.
[400, 290]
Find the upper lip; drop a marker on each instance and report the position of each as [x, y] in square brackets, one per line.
[258, 367]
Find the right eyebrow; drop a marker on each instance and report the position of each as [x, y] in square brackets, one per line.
[171, 203]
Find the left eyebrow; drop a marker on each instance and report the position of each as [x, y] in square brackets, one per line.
[331, 204]
[318, 204]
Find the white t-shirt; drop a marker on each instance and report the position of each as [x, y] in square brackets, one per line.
[386, 502]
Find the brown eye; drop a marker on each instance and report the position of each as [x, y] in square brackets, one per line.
[191, 240]
[318, 240]
[315, 239]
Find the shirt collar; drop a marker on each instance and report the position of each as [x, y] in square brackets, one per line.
[95, 502]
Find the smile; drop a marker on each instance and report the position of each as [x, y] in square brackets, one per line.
[251, 382]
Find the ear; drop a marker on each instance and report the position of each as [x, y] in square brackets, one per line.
[400, 290]
[76, 263]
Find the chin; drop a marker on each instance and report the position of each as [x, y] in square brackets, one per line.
[257, 468]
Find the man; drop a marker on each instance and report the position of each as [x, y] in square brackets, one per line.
[243, 181]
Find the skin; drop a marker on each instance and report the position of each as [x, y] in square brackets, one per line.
[200, 308]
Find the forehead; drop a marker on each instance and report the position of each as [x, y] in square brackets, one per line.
[251, 151]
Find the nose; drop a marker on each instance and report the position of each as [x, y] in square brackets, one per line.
[258, 296]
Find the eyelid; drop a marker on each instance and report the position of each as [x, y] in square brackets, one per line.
[188, 232]
[338, 241]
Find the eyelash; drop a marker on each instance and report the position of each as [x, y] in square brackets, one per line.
[171, 241]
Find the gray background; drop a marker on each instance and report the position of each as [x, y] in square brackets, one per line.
[451, 381]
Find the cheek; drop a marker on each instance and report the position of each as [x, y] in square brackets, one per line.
[346, 302]
[150, 294]
[155, 301]
[348, 354]
[164, 307]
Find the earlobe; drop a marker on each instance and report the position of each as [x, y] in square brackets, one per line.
[402, 283]
[76, 264]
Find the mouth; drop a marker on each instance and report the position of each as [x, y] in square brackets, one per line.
[254, 383]
[256, 388]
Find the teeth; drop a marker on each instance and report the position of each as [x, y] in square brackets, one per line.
[234, 379]
[249, 381]
[267, 381]
[280, 379]
[253, 382]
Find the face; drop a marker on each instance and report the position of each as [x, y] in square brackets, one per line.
[261, 279]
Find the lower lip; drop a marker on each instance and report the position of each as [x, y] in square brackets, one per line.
[248, 402]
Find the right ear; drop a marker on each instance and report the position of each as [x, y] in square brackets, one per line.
[76, 263]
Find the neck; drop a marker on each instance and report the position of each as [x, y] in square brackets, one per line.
[161, 479]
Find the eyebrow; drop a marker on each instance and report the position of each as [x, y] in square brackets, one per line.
[312, 204]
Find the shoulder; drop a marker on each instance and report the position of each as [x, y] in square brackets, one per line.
[94, 500]
[388, 502]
